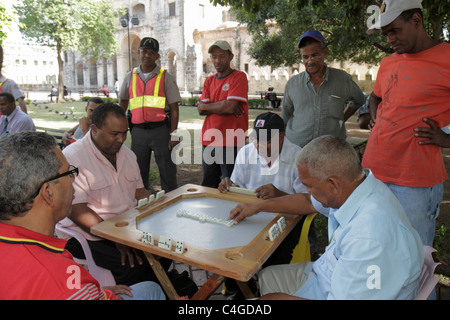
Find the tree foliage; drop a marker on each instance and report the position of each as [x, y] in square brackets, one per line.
[79, 25]
[277, 25]
[6, 20]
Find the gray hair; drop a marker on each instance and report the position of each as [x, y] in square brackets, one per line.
[328, 156]
[27, 159]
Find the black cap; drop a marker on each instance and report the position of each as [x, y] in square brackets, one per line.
[268, 121]
[149, 43]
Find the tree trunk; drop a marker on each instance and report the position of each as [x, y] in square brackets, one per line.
[60, 97]
[437, 29]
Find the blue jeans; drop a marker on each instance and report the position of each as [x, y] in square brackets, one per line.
[146, 290]
[422, 208]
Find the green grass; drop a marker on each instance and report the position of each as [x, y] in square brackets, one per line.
[60, 115]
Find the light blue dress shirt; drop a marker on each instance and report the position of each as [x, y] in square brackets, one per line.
[374, 253]
[17, 121]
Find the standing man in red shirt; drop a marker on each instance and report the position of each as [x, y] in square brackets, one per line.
[224, 102]
[412, 87]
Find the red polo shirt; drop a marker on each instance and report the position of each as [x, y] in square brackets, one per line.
[34, 266]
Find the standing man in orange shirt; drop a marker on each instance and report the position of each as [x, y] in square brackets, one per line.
[412, 87]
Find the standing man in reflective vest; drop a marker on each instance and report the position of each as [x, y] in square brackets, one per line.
[153, 97]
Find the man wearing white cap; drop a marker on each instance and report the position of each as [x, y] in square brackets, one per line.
[412, 87]
[224, 102]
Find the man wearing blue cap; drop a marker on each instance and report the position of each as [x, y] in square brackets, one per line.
[319, 100]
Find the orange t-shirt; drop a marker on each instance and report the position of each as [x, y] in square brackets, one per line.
[412, 87]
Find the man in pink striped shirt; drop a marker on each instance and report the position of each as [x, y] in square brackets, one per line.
[109, 183]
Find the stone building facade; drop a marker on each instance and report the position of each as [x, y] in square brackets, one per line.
[185, 30]
[172, 22]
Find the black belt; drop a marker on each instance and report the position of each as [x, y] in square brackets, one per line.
[149, 125]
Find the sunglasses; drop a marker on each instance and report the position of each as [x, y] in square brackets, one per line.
[73, 171]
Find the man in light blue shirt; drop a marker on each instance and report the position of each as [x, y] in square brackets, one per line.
[374, 253]
[13, 119]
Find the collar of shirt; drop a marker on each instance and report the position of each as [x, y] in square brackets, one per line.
[150, 74]
[325, 76]
[101, 157]
[345, 213]
[12, 115]
[18, 235]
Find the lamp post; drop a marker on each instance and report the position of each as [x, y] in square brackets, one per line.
[126, 24]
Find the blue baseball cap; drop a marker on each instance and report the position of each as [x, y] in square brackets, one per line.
[312, 34]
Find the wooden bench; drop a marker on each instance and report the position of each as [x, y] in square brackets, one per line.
[56, 133]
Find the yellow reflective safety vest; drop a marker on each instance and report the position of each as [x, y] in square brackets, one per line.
[1, 84]
[147, 100]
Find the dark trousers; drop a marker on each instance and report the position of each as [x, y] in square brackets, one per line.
[217, 163]
[146, 140]
[107, 256]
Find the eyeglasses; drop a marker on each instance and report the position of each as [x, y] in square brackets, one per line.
[73, 171]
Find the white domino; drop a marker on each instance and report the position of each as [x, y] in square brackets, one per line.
[243, 191]
[179, 248]
[204, 218]
[274, 232]
[165, 243]
[281, 223]
[151, 198]
[142, 202]
[160, 194]
[147, 238]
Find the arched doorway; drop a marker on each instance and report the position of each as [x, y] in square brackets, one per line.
[80, 76]
[172, 64]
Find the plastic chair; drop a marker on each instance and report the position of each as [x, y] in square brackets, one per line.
[428, 280]
[102, 275]
[301, 251]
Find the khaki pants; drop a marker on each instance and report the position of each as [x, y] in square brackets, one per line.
[285, 278]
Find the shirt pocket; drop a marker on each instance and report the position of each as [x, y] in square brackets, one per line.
[100, 187]
[336, 106]
[132, 181]
[132, 175]
[97, 180]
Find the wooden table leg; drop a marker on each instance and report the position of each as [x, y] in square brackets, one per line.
[161, 274]
[245, 289]
[209, 287]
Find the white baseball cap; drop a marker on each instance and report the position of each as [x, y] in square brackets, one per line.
[222, 44]
[391, 10]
